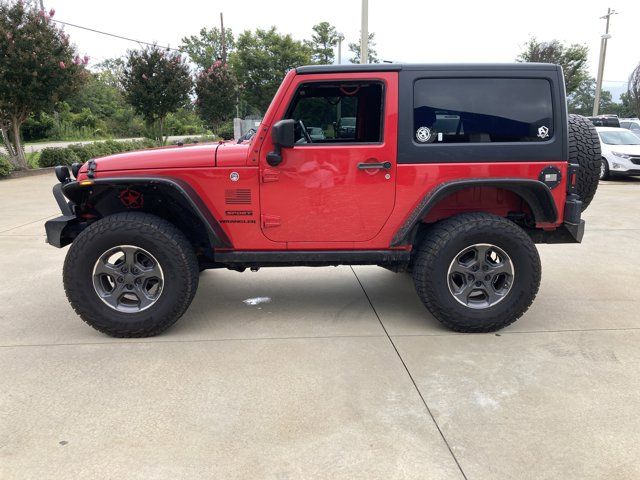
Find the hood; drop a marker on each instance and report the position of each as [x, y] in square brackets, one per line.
[155, 158]
[232, 154]
[628, 149]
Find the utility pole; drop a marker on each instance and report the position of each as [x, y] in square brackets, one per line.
[223, 40]
[340, 39]
[364, 33]
[603, 54]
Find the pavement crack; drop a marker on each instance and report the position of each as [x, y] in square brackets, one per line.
[415, 385]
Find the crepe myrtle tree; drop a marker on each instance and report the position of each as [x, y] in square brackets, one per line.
[38, 69]
[633, 91]
[216, 91]
[156, 82]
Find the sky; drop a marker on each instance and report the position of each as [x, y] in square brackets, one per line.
[405, 30]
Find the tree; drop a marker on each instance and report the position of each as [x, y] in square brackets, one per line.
[156, 82]
[206, 48]
[111, 71]
[260, 61]
[216, 90]
[572, 58]
[38, 69]
[581, 100]
[323, 41]
[633, 91]
[371, 53]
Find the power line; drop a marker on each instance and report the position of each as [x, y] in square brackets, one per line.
[115, 36]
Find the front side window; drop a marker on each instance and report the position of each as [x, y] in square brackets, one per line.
[482, 110]
[340, 112]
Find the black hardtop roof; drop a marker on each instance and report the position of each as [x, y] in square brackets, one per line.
[395, 67]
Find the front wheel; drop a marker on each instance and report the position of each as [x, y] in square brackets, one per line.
[130, 275]
[477, 272]
[604, 169]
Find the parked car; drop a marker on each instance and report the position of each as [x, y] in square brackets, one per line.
[316, 133]
[346, 127]
[620, 152]
[453, 174]
[632, 124]
[605, 121]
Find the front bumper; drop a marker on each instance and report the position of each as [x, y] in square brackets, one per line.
[62, 230]
[623, 166]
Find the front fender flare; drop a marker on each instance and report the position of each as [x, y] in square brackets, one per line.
[217, 236]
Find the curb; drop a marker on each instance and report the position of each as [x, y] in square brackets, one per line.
[28, 173]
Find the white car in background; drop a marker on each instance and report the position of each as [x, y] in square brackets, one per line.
[632, 124]
[620, 152]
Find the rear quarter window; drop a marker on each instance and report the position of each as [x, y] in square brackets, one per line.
[482, 110]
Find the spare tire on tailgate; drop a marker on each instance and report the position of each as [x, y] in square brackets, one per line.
[584, 150]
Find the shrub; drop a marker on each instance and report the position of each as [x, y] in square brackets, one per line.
[5, 165]
[81, 151]
[50, 157]
[225, 131]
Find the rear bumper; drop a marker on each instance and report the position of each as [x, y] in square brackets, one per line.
[571, 231]
[61, 230]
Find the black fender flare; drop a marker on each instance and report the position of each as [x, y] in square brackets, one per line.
[217, 236]
[537, 195]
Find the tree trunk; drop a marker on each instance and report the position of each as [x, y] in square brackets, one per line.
[14, 145]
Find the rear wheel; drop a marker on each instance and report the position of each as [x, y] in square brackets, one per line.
[477, 272]
[130, 275]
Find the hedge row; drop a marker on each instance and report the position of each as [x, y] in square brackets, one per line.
[52, 156]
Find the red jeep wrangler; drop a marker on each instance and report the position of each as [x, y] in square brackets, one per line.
[450, 172]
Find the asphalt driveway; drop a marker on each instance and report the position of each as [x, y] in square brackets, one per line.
[314, 373]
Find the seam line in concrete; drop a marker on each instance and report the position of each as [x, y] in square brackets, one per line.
[28, 223]
[574, 330]
[207, 340]
[415, 385]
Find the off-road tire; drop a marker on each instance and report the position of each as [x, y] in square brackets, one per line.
[449, 237]
[155, 235]
[584, 150]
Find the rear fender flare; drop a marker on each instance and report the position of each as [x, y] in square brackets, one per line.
[535, 193]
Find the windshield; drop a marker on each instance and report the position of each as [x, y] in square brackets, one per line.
[622, 137]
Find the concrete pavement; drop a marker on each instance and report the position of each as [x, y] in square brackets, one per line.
[341, 374]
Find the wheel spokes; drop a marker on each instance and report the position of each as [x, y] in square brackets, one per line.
[480, 276]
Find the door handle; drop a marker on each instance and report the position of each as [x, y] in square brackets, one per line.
[374, 166]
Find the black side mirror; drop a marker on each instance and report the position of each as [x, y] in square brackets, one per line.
[283, 136]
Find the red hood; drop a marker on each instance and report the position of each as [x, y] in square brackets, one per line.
[228, 154]
[165, 157]
[232, 154]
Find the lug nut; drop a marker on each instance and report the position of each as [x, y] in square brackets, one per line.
[474, 268]
[485, 268]
[120, 279]
[138, 281]
[124, 269]
[134, 270]
[471, 277]
[478, 284]
[129, 286]
[487, 277]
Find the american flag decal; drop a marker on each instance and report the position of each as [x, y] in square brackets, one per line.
[240, 196]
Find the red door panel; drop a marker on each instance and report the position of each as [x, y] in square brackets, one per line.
[318, 193]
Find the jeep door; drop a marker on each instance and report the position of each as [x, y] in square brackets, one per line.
[338, 186]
